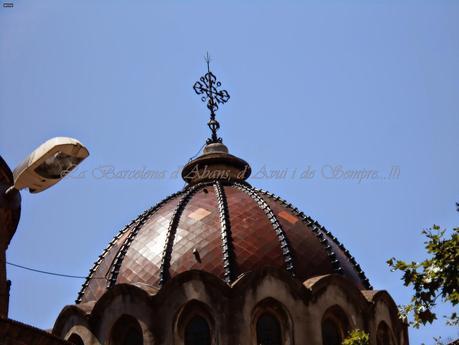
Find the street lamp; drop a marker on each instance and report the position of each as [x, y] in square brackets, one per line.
[48, 164]
[44, 167]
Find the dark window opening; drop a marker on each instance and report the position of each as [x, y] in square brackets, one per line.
[268, 330]
[132, 337]
[383, 335]
[197, 332]
[126, 331]
[75, 339]
[331, 333]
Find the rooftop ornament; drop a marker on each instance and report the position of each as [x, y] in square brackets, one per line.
[208, 86]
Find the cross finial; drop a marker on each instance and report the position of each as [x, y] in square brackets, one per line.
[208, 87]
[207, 59]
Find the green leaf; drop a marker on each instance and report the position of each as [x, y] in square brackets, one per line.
[357, 337]
[435, 277]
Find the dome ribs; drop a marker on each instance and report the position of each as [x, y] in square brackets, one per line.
[287, 252]
[227, 241]
[321, 232]
[139, 222]
[328, 248]
[236, 227]
[99, 260]
[313, 226]
[351, 259]
[164, 273]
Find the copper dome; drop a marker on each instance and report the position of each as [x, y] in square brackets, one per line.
[222, 225]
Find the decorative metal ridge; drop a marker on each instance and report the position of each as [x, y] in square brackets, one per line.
[207, 86]
[164, 274]
[99, 260]
[227, 242]
[118, 260]
[110, 246]
[287, 252]
[324, 236]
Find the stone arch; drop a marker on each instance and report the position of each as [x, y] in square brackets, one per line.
[382, 298]
[126, 331]
[82, 332]
[191, 315]
[274, 312]
[123, 300]
[384, 335]
[72, 319]
[383, 308]
[319, 285]
[334, 326]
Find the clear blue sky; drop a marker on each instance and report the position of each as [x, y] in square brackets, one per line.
[321, 83]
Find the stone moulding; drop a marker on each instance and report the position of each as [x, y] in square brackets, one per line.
[229, 304]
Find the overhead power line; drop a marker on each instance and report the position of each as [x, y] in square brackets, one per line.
[47, 272]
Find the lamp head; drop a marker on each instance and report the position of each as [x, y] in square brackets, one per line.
[48, 164]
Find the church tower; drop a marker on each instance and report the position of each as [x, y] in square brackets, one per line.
[223, 262]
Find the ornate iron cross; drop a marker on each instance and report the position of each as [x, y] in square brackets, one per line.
[208, 87]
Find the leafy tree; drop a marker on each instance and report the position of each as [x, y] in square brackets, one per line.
[357, 337]
[447, 341]
[435, 278]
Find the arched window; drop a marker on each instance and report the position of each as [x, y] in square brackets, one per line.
[268, 330]
[75, 339]
[383, 335]
[331, 333]
[126, 331]
[334, 326]
[197, 332]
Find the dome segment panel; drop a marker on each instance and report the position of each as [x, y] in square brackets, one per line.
[142, 259]
[311, 256]
[339, 257]
[96, 282]
[198, 240]
[164, 274]
[254, 239]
